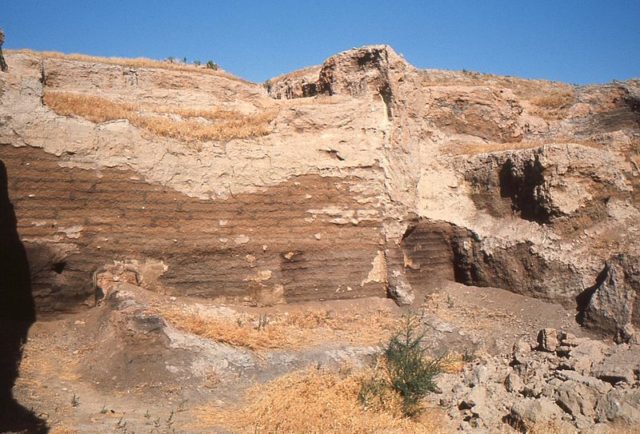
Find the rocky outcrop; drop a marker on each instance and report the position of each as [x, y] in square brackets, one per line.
[559, 382]
[368, 177]
[3, 63]
[612, 305]
[302, 84]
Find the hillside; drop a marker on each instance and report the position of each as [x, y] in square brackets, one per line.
[158, 204]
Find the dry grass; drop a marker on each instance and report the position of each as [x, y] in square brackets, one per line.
[194, 124]
[452, 363]
[482, 148]
[139, 62]
[554, 100]
[553, 105]
[291, 330]
[62, 429]
[93, 108]
[313, 401]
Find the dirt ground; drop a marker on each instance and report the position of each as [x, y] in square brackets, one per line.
[146, 362]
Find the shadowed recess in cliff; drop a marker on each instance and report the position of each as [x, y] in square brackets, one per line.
[17, 313]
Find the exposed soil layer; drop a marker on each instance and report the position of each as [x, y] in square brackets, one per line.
[253, 246]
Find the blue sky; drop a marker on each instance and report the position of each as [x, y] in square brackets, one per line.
[576, 41]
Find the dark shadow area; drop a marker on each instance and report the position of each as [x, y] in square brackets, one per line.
[17, 313]
[521, 188]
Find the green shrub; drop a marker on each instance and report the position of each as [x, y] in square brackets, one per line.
[408, 371]
[196, 62]
[212, 65]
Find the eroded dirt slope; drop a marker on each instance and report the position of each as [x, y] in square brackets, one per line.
[190, 235]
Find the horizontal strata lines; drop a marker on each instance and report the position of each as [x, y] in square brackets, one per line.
[310, 232]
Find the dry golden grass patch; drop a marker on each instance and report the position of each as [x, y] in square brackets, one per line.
[481, 148]
[553, 105]
[290, 330]
[62, 429]
[93, 108]
[314, 401]
[195, 124]
[229, 332]
[452, 363]
[554, 100]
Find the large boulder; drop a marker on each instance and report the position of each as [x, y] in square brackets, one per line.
[612, 305]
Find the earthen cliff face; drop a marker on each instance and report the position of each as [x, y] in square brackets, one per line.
[373, 178]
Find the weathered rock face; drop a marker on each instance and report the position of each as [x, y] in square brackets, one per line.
[373, 176]
[3, 63]
[561, 383]
[264, 220]
[612, 305]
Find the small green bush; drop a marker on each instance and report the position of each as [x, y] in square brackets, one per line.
[196, 62]
[408, 371]
[212, 65]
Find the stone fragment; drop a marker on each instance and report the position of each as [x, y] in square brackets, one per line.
[531, 412]
[476, 397]
[521, 350]
[620, 406]
[600, 387]
[400, 289]
[576, 399]
[586, 354]
[479, 375]
[513, 383]
[622, 366]
[548, 340]
[567, 339]
[614, 298]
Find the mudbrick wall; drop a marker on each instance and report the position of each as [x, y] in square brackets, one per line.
[366, 177]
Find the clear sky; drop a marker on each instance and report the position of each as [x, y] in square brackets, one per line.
[576, 41]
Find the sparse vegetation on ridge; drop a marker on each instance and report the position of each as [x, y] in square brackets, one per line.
[138, 62]
[196, 124]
